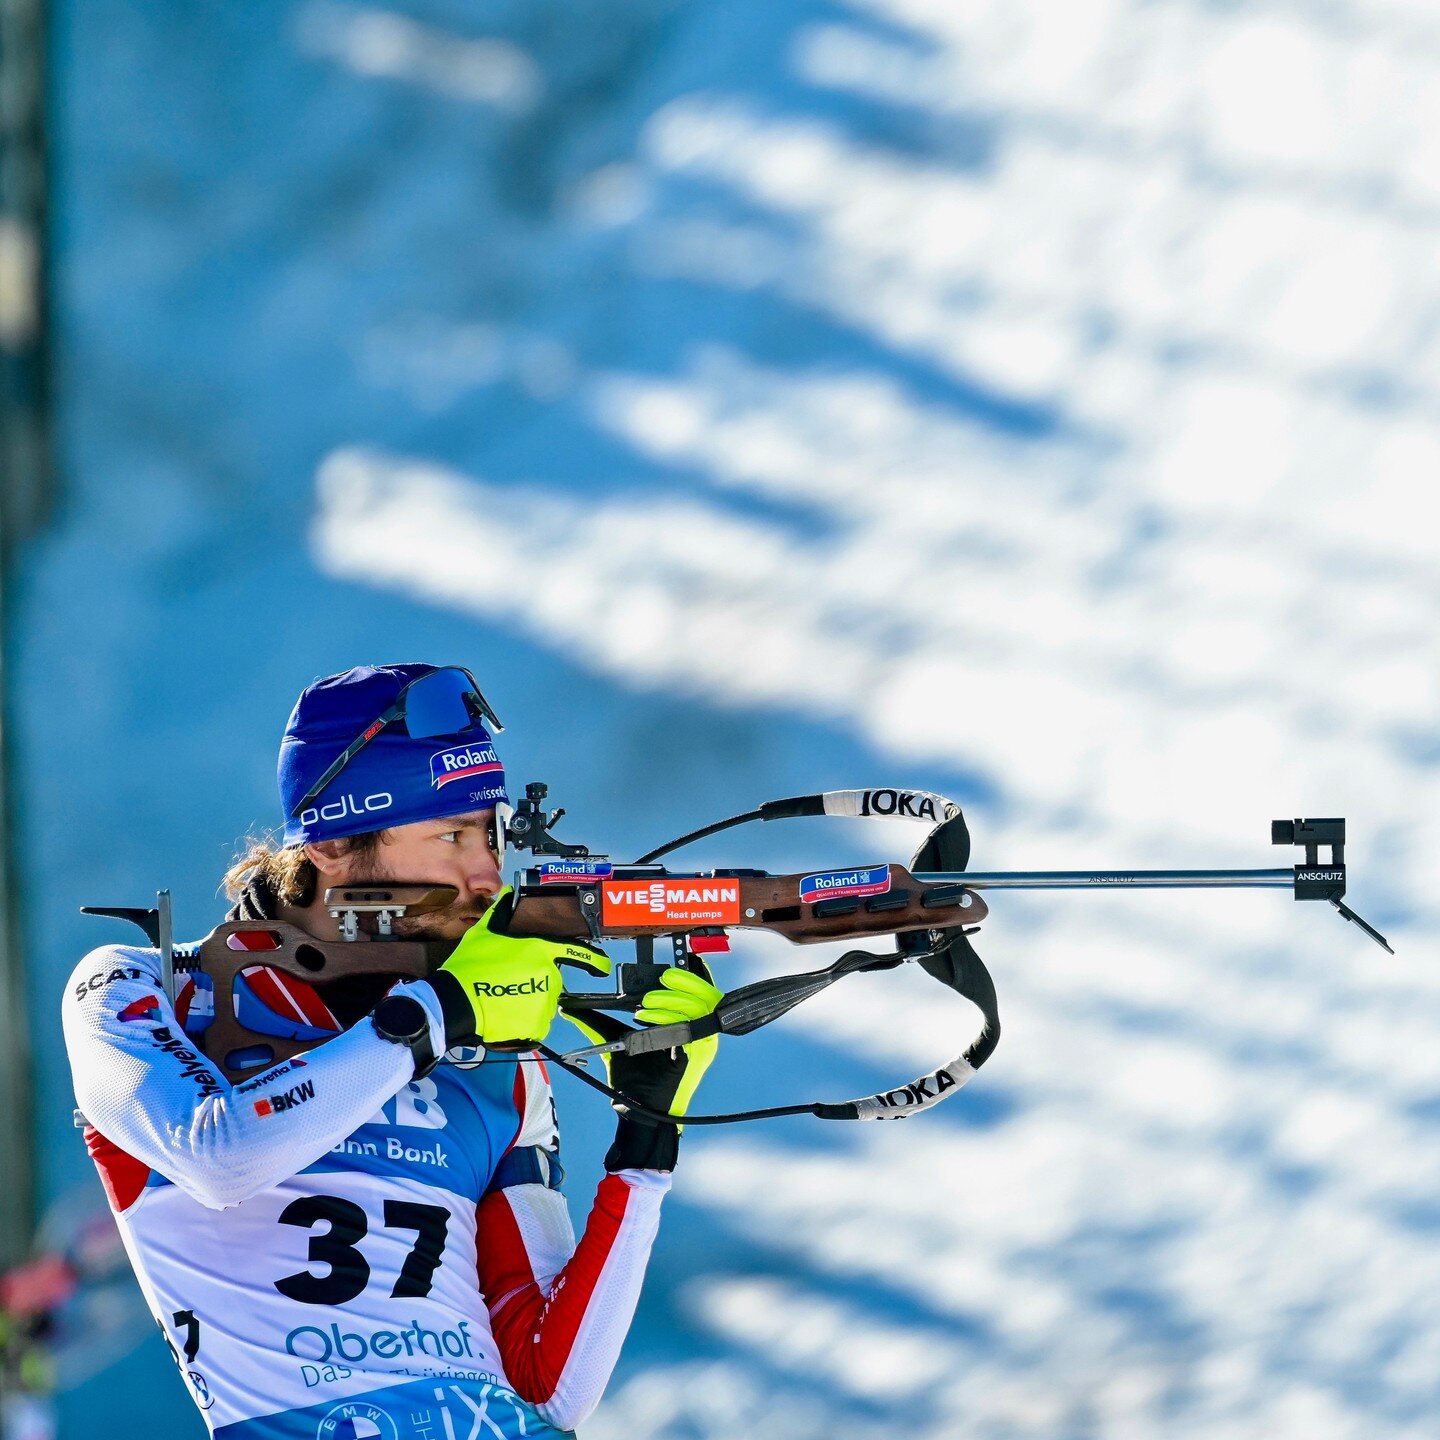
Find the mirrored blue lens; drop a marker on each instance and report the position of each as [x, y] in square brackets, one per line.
[445, 703]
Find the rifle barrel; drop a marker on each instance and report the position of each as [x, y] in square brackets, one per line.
[1117, 879]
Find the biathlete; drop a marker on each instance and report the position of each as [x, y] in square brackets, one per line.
[364, 1241]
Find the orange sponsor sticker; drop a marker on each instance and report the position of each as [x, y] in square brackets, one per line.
[688, 900]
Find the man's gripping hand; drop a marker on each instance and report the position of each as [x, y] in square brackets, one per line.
[504, 990]
[662, 1080]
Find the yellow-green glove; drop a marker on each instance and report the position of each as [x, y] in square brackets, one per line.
[683, 995]
[662, 1079]
[502, 989]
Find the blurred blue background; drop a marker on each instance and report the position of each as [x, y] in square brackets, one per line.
[1035, 403]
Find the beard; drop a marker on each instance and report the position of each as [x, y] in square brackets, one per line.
[448, 924]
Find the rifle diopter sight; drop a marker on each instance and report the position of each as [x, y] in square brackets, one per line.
[528, 828]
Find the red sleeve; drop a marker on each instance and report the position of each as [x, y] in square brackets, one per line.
[560, 1340]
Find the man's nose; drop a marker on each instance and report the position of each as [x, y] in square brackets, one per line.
[483, 876]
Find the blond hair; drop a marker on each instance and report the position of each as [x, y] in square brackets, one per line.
[286, 871]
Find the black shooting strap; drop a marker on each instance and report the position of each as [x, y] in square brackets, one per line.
[954, 963]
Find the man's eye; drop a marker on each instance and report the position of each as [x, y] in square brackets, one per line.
[451, 835]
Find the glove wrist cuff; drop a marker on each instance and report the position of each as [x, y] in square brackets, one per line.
[455, 1007]
[640, 1145]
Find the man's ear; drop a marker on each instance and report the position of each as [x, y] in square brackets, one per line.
[328, 857]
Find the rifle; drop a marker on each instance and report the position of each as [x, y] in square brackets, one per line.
[931, 907]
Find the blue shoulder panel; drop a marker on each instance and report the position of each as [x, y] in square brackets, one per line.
[449, 1129]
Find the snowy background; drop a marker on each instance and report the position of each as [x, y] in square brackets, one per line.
[1035, 402]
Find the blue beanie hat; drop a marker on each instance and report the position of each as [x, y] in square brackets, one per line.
[394, 780]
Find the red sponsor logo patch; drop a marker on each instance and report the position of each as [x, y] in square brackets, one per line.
[264, 1107]
[146, 1008]
[693, 900]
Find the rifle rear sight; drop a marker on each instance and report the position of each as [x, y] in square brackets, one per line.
[529, 827]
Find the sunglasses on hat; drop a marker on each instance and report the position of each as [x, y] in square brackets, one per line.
[445, 702]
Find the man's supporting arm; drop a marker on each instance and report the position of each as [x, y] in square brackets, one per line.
[143, 1085]
[560, 1312]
